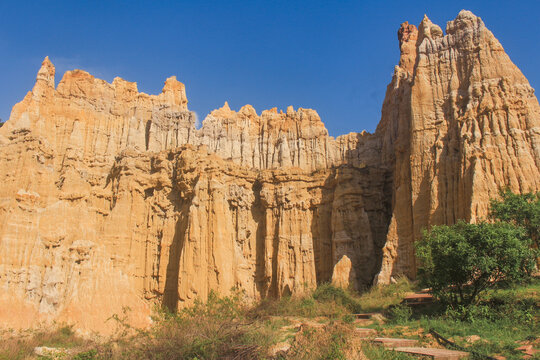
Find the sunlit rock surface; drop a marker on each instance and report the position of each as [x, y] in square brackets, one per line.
[112, 197]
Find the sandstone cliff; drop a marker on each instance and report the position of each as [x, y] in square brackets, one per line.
[117, 200]
[113, 198]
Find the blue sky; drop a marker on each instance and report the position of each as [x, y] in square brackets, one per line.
[334, 56]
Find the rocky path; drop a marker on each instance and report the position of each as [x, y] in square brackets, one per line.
[403, 345]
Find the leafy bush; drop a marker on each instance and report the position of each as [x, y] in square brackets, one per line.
[520, 209]
[399, 314]
[461, 261]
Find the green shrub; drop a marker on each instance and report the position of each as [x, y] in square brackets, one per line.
[520, 209]
[399, 314]
[494, 305]
[461, 261]
[330, 293]
[348, 318]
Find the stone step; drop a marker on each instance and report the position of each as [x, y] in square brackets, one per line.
[418, 297]
[364, 315]
[364, 333]
[394, 343]
[418, 303]
[436, 354]
[528, 350]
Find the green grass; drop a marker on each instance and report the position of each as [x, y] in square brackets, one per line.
[326, 301]
[502, 320]
[336, 303]
[380, 297]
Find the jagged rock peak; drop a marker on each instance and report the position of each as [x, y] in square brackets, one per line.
[248, 110]
[223, 112]
[465, 20]
[84, 85]
[44, 79]
[466, 14]
[46, 72]
[405, 32]
[429, 30]
[407, 37]
[175, 91]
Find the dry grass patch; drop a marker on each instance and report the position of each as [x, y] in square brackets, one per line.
[20, 345]
[332, 341]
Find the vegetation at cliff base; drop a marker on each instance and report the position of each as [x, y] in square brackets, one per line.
[461, 261]
[316, 325]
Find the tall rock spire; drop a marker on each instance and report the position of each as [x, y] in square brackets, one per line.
[175, 92]
[45, 79]
[464, 126]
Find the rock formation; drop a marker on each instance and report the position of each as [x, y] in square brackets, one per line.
[113, 198]
[459, 122]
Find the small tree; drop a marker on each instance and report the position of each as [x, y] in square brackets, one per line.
[461, 261]
[520, 209]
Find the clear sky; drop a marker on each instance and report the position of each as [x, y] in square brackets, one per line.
[334, 56]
